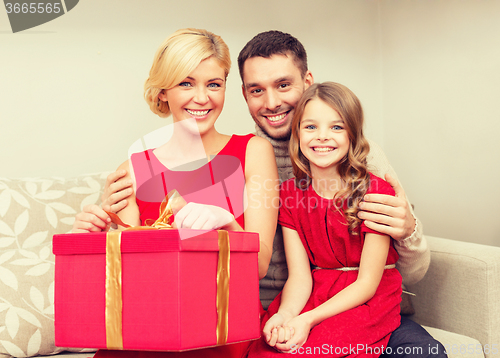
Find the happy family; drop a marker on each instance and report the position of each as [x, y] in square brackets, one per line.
[331, 271]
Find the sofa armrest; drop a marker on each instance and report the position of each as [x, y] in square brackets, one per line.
[461, 291]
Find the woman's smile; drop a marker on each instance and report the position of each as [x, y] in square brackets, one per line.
[199, 96]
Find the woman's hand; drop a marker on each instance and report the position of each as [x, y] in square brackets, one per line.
[205, 217]
[91, 219]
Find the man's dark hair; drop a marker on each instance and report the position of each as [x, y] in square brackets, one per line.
[271, 43]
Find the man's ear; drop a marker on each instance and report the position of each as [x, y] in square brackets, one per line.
[162, 96]
[308, 79]
[244, 92]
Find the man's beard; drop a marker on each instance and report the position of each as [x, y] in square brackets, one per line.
[282, 138]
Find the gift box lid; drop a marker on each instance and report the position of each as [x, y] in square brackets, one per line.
[153, 241]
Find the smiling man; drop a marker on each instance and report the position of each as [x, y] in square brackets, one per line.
[272, 87]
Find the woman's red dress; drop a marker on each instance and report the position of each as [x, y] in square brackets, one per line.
[154, 181]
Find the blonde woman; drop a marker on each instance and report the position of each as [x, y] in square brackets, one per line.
[188, 81]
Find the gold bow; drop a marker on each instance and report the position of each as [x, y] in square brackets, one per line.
[172, 203]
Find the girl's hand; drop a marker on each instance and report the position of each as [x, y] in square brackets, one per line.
[275, 331]
[204, 217]
[280, 336]
[299, 327]
[91, 219]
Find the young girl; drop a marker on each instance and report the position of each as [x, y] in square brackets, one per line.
[343, 292]
[188, 81]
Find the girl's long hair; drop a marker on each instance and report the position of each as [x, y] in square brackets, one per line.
[353, 167]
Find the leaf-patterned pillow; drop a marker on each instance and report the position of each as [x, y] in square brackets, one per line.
[31, 211]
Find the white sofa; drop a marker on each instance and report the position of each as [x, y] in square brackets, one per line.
[459, 297]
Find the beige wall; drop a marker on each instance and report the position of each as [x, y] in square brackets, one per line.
[71, 90]
[441, 89]
[426, 72]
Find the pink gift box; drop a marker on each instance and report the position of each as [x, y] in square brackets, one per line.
[168, 289]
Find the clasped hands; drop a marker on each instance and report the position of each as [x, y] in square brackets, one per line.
[285, 333]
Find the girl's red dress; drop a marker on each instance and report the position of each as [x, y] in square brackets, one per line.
[154, 181]
[363, 330]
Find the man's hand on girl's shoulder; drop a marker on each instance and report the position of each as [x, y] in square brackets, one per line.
[389, 215]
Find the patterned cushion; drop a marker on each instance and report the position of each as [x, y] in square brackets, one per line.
[31, 211]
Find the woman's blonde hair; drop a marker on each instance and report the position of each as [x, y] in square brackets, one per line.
[353, 167]
[176, 58]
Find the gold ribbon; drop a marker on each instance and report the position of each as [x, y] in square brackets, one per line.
[113, 294]
[223, 287]
[113, 314]
[114, 302]
[172, 203]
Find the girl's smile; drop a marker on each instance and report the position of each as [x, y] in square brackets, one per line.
[323, 139]
[323, 149]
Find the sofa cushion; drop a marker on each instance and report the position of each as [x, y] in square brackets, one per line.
[461, 290]
[457, 345]
[406, 305]
[31, 211]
